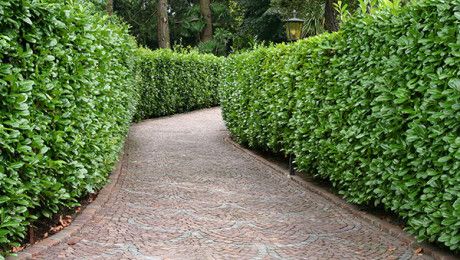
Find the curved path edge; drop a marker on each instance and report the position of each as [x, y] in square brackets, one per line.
[81, 219]
[383, 225]
[106, 192]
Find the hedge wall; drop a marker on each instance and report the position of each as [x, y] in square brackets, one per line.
[66, 101]
[172, 82]
[374, 108]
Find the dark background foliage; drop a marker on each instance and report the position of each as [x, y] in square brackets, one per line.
[238, 24]
[185, 21]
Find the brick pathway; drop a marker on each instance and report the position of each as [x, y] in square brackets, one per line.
[186, 193]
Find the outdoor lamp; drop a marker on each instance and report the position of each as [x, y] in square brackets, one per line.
[294, 27]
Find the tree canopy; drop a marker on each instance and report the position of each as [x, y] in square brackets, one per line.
[230, 25]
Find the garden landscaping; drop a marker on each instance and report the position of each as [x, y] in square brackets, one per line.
[171, 82]
[374, 108]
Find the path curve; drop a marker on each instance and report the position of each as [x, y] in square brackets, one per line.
[186, 193]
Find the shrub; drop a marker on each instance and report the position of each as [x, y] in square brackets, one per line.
[66, 101]
[375, 108]
[172, 82]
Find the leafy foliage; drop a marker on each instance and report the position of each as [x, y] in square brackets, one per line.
[66, 101]
[374, 108]
[141, 16]
[172, 82]
[185, 23]
[258, 21]
[219, 45]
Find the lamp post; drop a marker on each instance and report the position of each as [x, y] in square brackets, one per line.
[294, 27]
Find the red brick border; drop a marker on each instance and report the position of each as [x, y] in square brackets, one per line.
[387, 227]
[84, 217]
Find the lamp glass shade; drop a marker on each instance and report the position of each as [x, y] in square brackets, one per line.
[294, 29]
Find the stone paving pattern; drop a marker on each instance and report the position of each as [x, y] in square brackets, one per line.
[186, 193]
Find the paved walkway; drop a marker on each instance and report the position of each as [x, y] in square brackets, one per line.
[186, 193]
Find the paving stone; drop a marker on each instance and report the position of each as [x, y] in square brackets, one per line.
[186, 193]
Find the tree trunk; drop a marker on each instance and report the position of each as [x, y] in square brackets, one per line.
[205, 9]
[163, 25]
[109, 7]
[331, 23]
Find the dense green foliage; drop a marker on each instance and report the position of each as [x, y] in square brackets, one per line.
[258, 22]
[66, 101]
[141, 17]
[172, 82]
[374, 108]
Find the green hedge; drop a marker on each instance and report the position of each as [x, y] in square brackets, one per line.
[172, 82]
[374, 108]
[66, 101]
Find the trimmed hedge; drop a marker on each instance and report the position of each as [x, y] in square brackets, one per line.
[374, 108]
[172, 82]
[66, 101]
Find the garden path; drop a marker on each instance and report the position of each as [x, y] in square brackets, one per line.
[185, 192]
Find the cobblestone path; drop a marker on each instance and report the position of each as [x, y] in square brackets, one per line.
[186, 193]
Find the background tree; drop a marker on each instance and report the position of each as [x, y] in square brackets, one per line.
[109, 7]
[205, 9]
[185, 22]
[231, 25]
[224, 29]
[163, 25]
[331, 22]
